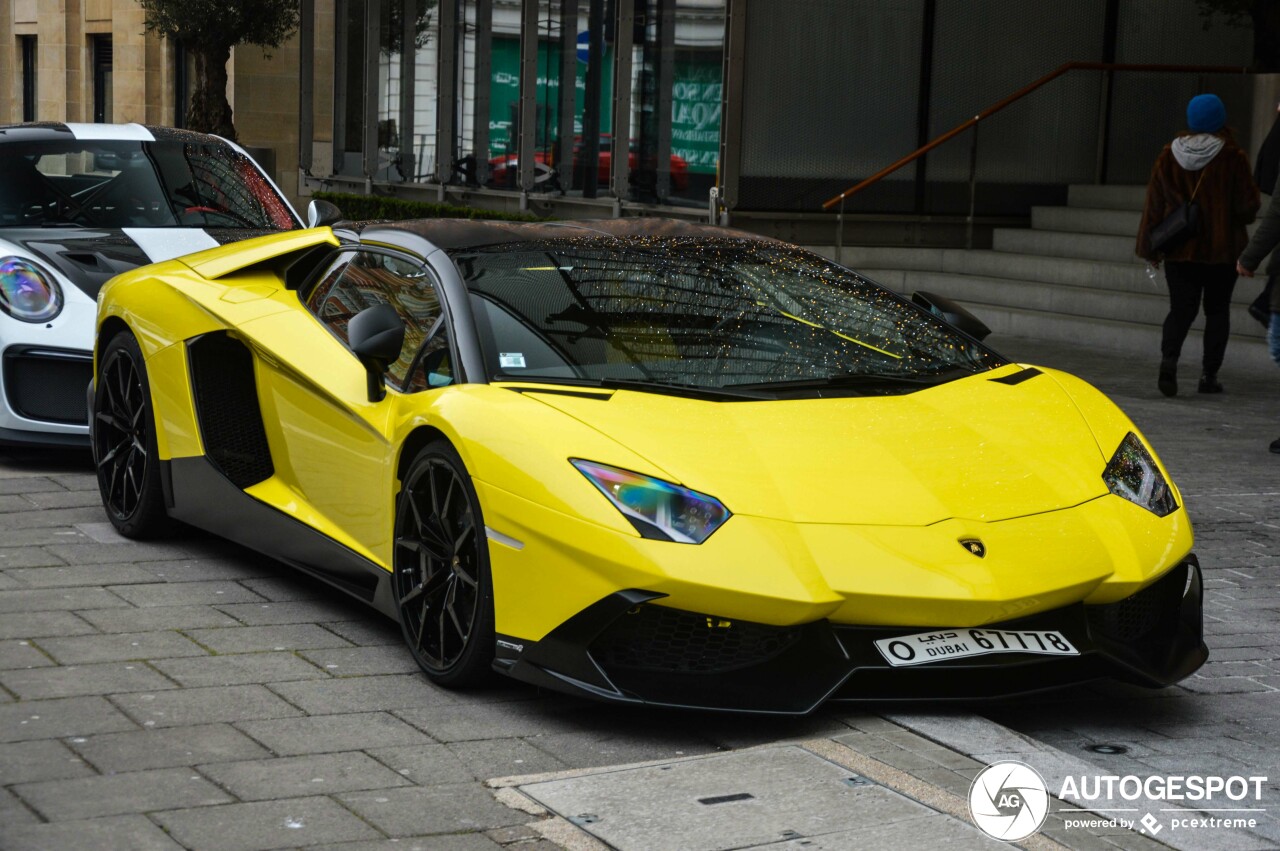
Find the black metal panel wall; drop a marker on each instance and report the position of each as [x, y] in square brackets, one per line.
[830, 93]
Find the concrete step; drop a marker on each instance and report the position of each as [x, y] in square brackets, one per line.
[1087, 220]
[1047, 243]
[1111, 335]
[1070, 272]
[1107, 197]
[1145, 308]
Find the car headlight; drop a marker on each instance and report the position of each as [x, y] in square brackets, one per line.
[658, 509]
[1132, 473]
[28, 291]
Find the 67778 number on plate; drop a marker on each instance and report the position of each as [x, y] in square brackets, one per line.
[925, 647]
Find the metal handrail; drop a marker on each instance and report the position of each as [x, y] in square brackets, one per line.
[1018, 95]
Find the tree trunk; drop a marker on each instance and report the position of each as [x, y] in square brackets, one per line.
[1266, 35]
[210, 112]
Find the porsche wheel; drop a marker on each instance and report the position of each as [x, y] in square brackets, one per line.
[124, 442]
[441, 569]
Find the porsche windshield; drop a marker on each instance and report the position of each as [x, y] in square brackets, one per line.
[722, 315]
[114, 184]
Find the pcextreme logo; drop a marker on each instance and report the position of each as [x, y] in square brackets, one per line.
[1008, 801]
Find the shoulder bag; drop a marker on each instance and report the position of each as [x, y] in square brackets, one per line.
[1180, 225]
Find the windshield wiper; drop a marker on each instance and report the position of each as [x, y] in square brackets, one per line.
[693, 391]
[854, 380]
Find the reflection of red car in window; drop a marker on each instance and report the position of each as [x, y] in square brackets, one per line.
[503, 169]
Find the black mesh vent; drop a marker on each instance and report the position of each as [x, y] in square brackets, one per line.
[48, 386]
[1141, 617]
[657, 638]
[227, 405]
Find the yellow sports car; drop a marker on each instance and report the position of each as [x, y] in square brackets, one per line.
[645, 462]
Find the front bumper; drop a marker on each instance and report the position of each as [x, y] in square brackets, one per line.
[42, 399]
[625, 649]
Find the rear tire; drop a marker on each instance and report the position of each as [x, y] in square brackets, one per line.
[443, 586]
[124, 442]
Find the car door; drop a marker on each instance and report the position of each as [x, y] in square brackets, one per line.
[335, 465]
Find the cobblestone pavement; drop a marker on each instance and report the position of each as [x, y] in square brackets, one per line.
[189, 694]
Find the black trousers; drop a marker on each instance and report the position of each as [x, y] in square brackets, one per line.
[1189, 285]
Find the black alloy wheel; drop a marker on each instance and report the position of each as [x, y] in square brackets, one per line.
[441, 576]
[124, 442]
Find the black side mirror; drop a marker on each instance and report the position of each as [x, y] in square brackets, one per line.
[953, 313]
[321, 213]
[376, 336]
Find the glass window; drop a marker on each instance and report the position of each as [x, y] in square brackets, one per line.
[137, 184]
[29, 65]
[704, 313]
[102, 79]
[362, 279]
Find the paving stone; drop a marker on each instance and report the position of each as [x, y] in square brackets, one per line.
[300, 776]
[425, 765]
[205, 706]
[239, 669]
[363, 661]
[295, 611]
[29, 484]
[333, 733]
[207, 570]
[20, 653]
[354, 694]
[42, 624]
[135, 791]
[295, 587]
[76, 481]
[504, 758]
[496, 721]
[589, 749]
[368, 633]
[157, 618]
[73, 680]
[186, 593]
[454, 842]
[58, 599]
[63, 499]
[265, 825]
[93, 574]
[191, 745]
[61, 517]
[81, 649]
[247, 639]
[431, 809]
[13, 557]
[13, 502]
[113, 833]
[25, 762]
[53, 719]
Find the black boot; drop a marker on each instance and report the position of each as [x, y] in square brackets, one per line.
[1209, 383]
[1168, 380]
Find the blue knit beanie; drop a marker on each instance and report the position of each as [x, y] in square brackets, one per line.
[1206, 114]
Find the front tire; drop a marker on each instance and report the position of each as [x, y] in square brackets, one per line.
[124, 442]
[441, 577]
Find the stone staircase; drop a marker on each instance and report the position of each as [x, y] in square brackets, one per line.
[1072, 277]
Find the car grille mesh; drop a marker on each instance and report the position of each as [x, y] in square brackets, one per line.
[48, 386]
[658, 638]
[227, 404]
[1141, 617]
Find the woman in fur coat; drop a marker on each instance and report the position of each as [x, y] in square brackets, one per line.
[1207, 166]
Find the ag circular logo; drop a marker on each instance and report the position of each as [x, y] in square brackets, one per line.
[1008, 801]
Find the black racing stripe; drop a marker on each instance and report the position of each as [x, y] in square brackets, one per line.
[1018, 377]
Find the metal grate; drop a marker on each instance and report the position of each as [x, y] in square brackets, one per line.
[48, 385]
[227, 406]
[1141, 617]
[658, 638]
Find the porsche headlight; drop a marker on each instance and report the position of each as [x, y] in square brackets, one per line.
[27, 291]
[657, 509]
[1133, 474]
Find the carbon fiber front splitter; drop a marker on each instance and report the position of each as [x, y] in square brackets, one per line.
[625, 649]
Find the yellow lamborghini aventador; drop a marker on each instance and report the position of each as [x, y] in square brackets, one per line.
[645, 462]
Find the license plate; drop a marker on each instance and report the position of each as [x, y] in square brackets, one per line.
[941, 645]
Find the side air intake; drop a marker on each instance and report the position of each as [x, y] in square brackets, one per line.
[226, 397]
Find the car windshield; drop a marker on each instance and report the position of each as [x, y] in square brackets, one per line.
[116, 184]
[720, 315]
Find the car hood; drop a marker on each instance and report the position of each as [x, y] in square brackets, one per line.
[89, 257]
[978, 448]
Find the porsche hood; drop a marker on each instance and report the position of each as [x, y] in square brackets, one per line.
[980, 448]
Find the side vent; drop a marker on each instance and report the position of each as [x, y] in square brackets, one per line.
[226, 398]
